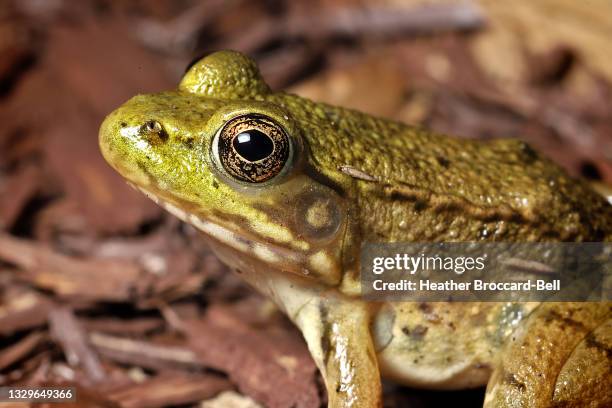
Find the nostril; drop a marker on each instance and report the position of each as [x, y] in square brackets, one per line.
[154, 132]
[152, 126]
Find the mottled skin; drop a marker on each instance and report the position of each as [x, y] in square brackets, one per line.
[353, 178]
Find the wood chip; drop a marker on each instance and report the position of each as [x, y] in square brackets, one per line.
[66, 330]
[144, 353]
[230, 399]
[13, 353]
[380, 21]
[170, 390]
[138, 326]
[22, 309]
[281, 372]
[15, 191]
[70, 277]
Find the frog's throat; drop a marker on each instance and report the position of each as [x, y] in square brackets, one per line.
[268, 253]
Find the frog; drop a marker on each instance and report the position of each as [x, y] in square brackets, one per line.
[287, 191]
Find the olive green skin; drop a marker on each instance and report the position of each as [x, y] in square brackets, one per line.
[353, 178]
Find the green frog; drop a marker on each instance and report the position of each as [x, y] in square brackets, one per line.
[287, 190]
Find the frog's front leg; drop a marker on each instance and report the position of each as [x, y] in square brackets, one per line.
[338, 335]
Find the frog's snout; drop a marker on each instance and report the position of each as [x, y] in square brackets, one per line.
[126, 145]
[106, 138]
[121, 136]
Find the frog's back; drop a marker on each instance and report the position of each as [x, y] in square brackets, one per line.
[417, 185]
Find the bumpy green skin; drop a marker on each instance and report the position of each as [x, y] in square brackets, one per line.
[450, 189]
[354, 178]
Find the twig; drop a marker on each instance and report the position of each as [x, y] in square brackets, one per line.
[68, 332]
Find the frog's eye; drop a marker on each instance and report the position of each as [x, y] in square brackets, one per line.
[253, 148]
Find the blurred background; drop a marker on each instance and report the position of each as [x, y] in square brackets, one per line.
[102, 291]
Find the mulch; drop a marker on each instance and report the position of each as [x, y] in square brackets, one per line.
[102, 291]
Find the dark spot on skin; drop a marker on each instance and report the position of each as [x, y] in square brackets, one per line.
[215, 184]
[396, 195]
[325, 346]
[425, 307]
[418, 333]
[444, 162]
[566, 321]
[163, 135]
[188, 143]
[515, 217]
[420, 205]
[244, 241]
[325, 343]
[123, 124]
[592, 342]
[511, 379]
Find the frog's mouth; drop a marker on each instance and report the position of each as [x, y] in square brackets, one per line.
[274, 255]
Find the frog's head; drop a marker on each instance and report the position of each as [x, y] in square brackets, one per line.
[221, 156]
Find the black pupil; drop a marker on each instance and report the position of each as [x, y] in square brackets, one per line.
[253, 145]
